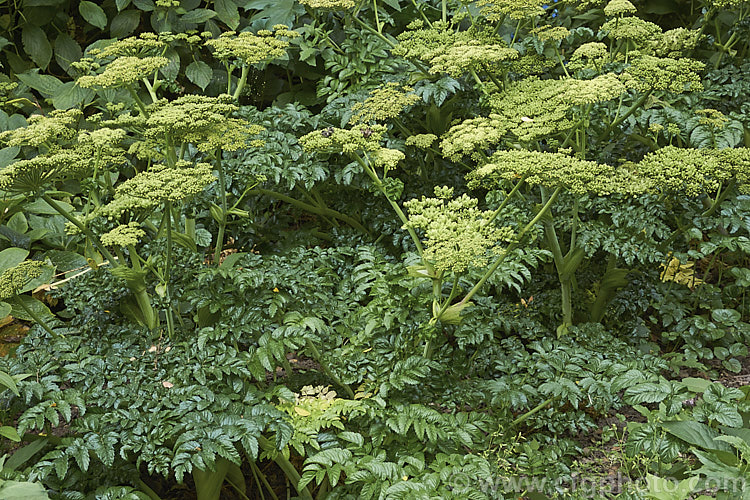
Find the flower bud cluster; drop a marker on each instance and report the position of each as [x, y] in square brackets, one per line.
[14, 279]
[457, 234]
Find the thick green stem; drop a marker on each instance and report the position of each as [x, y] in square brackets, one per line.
[425, 18]
[637, 104]
[137, 100]
[562, 63]
[146, 489]
[316, 354]
[73, 220]
[720, 197]
[507, 199]
[396, 208]
[542, 212]
[313, 209]
[242, 81]
[532, 412]
[223, 221]
[35, 317]
[377, 18]
[287, 467]
[259, 475]
[167, 270]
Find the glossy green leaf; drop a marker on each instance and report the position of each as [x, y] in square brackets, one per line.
[67, 50]
[93, 14]
[12, 257]
[228, 13]
[46, 85]
[199, 73]
[36, 45]
[124, 23]
[15, 490]
[198, 16]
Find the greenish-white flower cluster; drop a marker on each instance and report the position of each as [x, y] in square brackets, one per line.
[199, 120]
[618, 8]
[384, 103]
[249, 48]
[600, 89]
[123, 236]
[159, 184]
[328, 4]
[713, 118]
[457, 234]
[387, 158]
[338, 140]
[695, 171]
[633, 29]
[124, 71]
[588, 55]
[422, 141]
[14, 279]
[495, 10]
[56, 126]
[463, 58]
[557, 169]
[547, 33]
[654, 73]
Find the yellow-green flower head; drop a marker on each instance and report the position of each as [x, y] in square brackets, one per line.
[557, 169]
[632, 28]
[160, 183]
[619, 7]
[713, 118]
[426, 44]
[590, 50]
[26, 176]
[337, 140]
[384, 103]
[168, 3]
[532, 64]
[251, 48]
[421, 141]
[6, 91]
[727, 4]
[600, 89]
[694, 171]
[123, 236]
[124, 71]
[533, 109]
[102, 137]
[200, 120]
[147, 44]
[460, 59]
[676, 43]
[150, 188]
[655, 73]
[14, 279]
[457, 234]
[495, 10]
[328, 4]
[655, 128]
[57, 126]
[387, 158]
[473, 135]
[546, 33]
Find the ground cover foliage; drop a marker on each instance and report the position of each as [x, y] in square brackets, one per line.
[345, 249]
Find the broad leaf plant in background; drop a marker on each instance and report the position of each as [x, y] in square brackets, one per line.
[373, 248]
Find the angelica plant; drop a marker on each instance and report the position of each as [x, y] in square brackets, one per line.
[15, 280]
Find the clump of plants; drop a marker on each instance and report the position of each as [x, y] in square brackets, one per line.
[392, 249]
